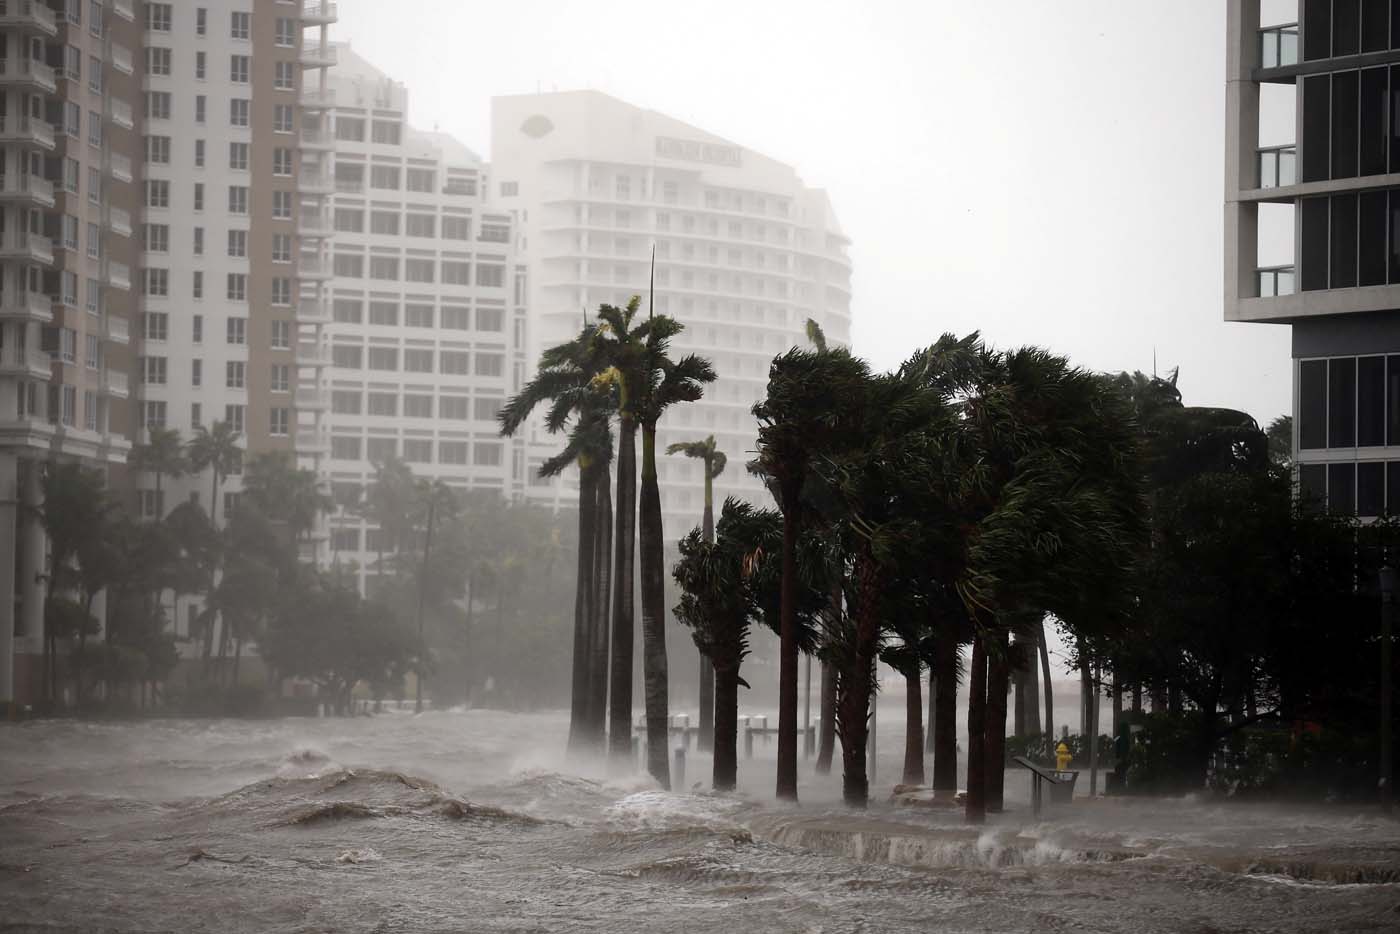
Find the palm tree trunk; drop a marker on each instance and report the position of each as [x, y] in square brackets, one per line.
[826, 735]
[826, 731]
[654, 668]
[726, 725]
[1048, 686]
[998, 686]
[787, 658]
[602, 608]
[1031, 676]
[214, 499]
[913, 728]
[620, 684]
[976, 811]
[583, 607]
[857, 682]
[932, 707]
[237, 659]
[705, 738]
[945, 715]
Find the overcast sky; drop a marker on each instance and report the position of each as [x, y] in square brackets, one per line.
[1046, 172]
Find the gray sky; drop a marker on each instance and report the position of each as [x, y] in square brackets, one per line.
[1048, 172]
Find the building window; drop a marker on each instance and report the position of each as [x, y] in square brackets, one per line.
[237, 330]
[281, 291]
[282, 118]
[200, 108]
[456, 228]
[350, 129]
[241, 26]
[420, 225]
[510, 189]
[153, 371]
[281, 248]
[456, 319]
[282, 205]
[384, 358]
[279, 421]
[286, 36]
[347, 356]
[158, 62]
[238, 244]
[197, 284]
[418, 451]
[350, 220]
[281, 161]
[453, 408]
[158, 150]
[385, 132]
[196, 372]
[384, 222]
[200, 66]
[157, 237]
[345, 448]
[385, 314]
[417, 360]
[348, 310]
[418, 270]
[491, 319]
[456, 272]
[344, 402]
[418, 316]
[157, 105]
[383, 403]
[490, 364]
[238, 199]
[384, 177]
[495, 233]
[155, 281]
[452, 452]
[280, 378]
[485, 408]
[454, 362]
[235, 374]
[491, 274]
[238, 108]
[348, 265]
[233, 417]
[420, 180]
[284, 77]
[238, 69]
[281, 335]
[199, 196]
[237, 287]
[153, 414]
[238, 156]
[197, 329]
[486, 454]
[157, 17]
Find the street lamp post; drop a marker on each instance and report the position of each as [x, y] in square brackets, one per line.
[1387, 581]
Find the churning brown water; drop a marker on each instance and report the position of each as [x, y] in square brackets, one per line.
[470, 821]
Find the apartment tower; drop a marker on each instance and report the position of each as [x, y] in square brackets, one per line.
[746, 253]
[1336, 185]
[428, 332]
[67, 131]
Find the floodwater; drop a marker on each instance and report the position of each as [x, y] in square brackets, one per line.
[470, 821]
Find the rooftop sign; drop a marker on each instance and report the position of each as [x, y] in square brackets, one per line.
[693, 151]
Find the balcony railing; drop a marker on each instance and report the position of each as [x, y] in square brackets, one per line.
[349, 186]
[33, 305]
[118, 221]
[20, 359]
[310, 353]
[28, 246]
[1275, 281]
[25, 129]
[121, 59]
[318, 11]
[27, 14]
[117, 330]
[114, 382]
[312, 440]
[312, 398]
[316, 99]
[125, 9]
[118, 166]
[312, 309]
[313, 266]
[118, 275]
[315, 224]
[318, 55]
[316, 138]
[24, 185]
[1278, 46]
[316, 183]
[1278, 166]
[120, 112]
[28, 71]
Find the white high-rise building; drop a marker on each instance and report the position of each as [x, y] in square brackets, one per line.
[745, 255]
[428, 324]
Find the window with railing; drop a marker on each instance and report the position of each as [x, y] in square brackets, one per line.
[1278, 46]
[1278, 166]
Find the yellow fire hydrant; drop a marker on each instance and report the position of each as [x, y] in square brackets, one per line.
[1062, 757]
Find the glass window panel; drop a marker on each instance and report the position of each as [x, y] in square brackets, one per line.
[1313, 217]
[1313, 482]
[1312, 404]
[1392, 487]
[1317, 29]
[1370, 401]
[1341, 402]
[1372, 259]
[1317, 124]
[1288, 167]
[1342, 242]
[1346, 27]
[1345, 91]
[1392, 400]
[1370, 488]
[1341, 489]
[1374, 131]
[1375, 25]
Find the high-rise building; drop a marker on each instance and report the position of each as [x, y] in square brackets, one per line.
[745, 254]
[428, 323]
[1330, 193]
[67, 130]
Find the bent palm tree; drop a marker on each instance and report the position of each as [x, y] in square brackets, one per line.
[217, 450]
[713, 462]
[163, 454]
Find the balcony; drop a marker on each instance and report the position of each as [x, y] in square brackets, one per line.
[313, 354]
[27, 306]
[121, 59]
[114, 383]
[1275, 281]
[27, 73]
[28, 16]
[119, 112]
[117, 275]
[316, 139]
[312, 309]
[117, 221]
[312, 441]
[314, 266]
[345, 185]
[312, 399]
[26, 130]
[318, 55]
[316, 183]
[21, 186]
[21, 361]
[318, 12]
[1278, 46]
[1278, 166]
[118, 166]
[28, 247]
[125, 9]
[116, 330]
[317, 99]
[315, 224]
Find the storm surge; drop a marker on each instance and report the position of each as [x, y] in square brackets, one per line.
[472, 821]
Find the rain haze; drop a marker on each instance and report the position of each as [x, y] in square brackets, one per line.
[780, 465]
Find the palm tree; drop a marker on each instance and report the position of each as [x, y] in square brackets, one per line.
[286, 493]
[389, 502]
[803, 417]
[217, 450]
[721, 578]
[712, 462]
[163, 454]
[665, 383]
[567, 380]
